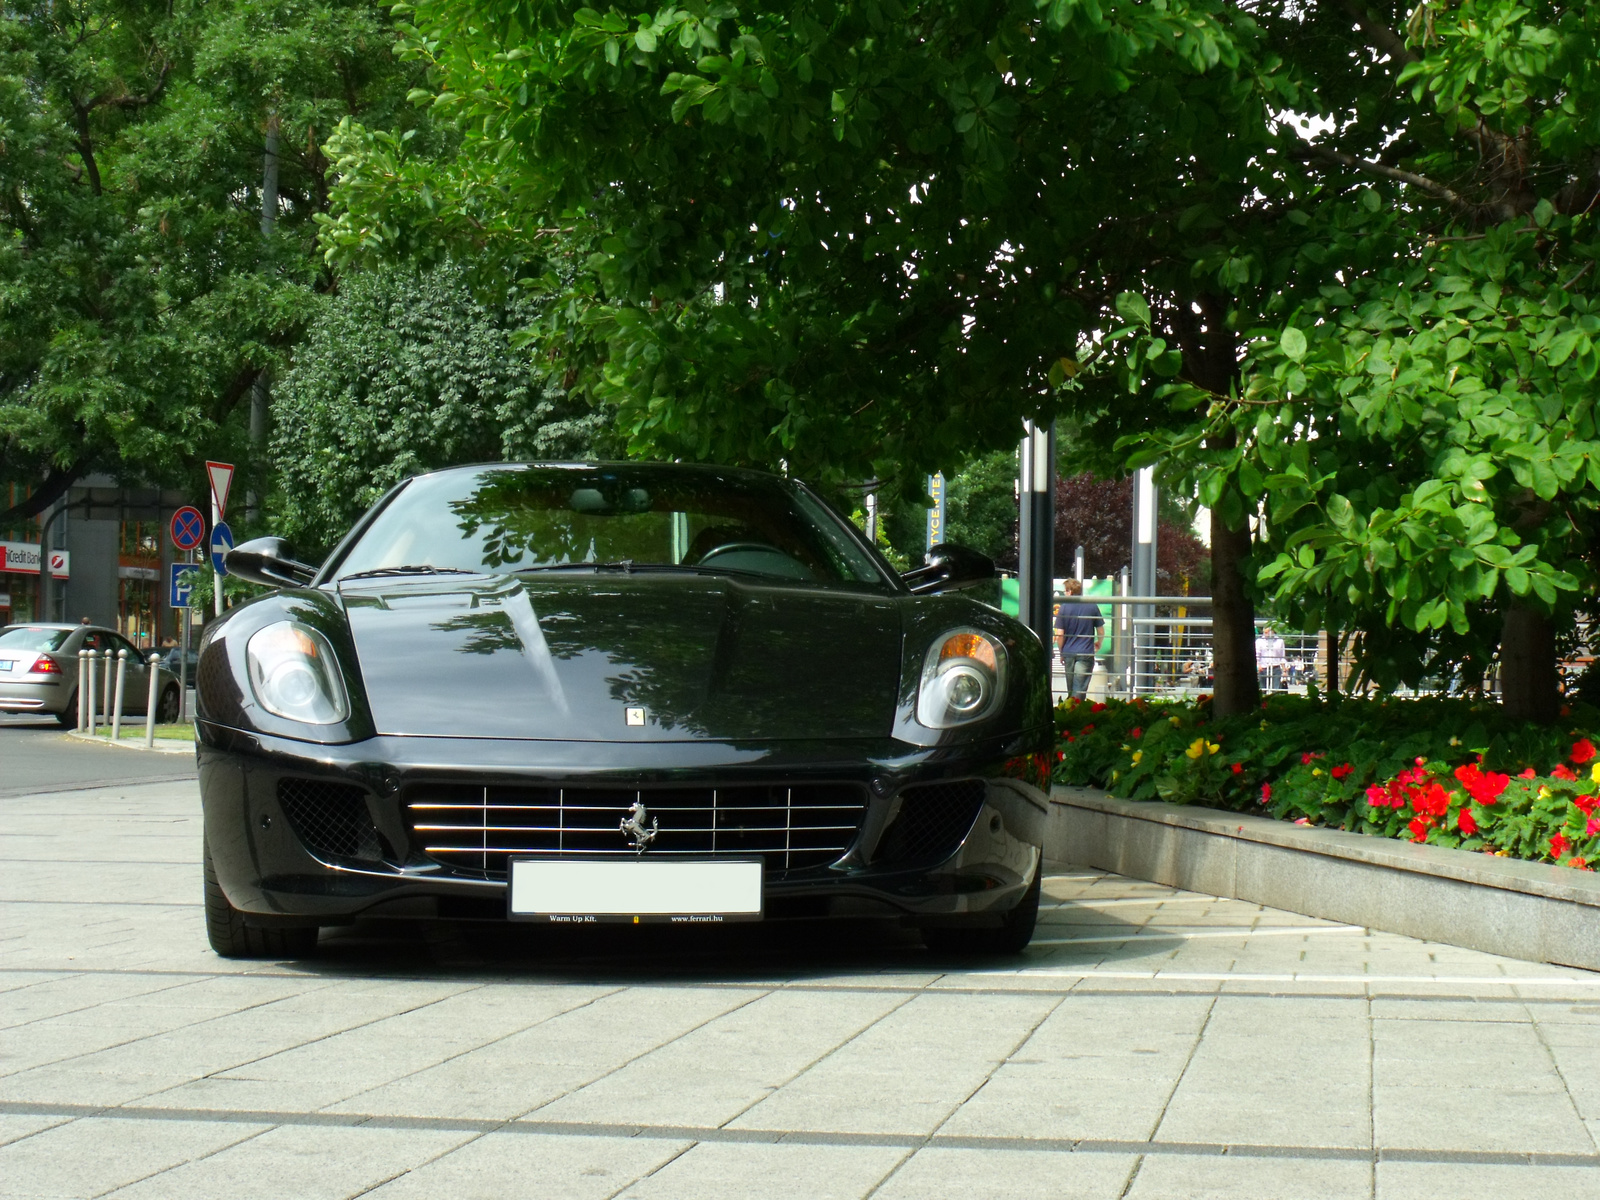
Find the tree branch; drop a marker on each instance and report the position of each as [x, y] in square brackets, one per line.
[56, 482]
[1422, 182]
[1380, 35]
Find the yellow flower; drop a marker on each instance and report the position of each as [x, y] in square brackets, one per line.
[1175, 722]
[1544, 793]
[1114, 775]
[1212, 747]
[1316, 771]
[1196, 748]
[1594, 772]
[1137, 755]
[1263, 724]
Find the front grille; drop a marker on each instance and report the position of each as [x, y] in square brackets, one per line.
[330, 819]
[933, 821]
[791, 827]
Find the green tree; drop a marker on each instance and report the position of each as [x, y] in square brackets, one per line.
[139, 299]
[981, 506]
[1420, 428]
[405, 371]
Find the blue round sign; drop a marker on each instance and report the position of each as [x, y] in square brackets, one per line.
[221, 543]
[188, 528]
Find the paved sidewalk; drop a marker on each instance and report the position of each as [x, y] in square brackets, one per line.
[1151, 1044]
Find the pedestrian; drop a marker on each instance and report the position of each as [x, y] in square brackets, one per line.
[1271, 658]
[1077, 630]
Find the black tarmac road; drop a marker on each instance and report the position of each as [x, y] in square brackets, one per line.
[37, 756]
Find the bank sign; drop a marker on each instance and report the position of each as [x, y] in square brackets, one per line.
[22, 558]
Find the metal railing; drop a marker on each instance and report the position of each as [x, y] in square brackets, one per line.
[1161, 646]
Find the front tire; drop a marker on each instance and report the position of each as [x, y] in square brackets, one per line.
[232, 938]
[1011, 936]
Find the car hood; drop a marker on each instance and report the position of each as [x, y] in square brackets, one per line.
[566, 657]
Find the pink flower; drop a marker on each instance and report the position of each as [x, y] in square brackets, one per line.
[1592, 827]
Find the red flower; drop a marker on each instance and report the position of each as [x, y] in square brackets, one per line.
[1483, 786]
[1559, 845]
[1585, 804]
[1343, 772]
[1420, 761]
[1266, 792]
[1466, 823]
[1432, 801]
[1137, 732]
[1581, 864]
[1530, 773]
[1377, 797]
[1097, 707]
[1087, 729]
[1593, 827]
[1419, 829]
[1307, 758]
[1582, 751]
[1237, 769]
[1061, 754]
[1562, 771]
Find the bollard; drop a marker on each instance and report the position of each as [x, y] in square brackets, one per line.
[150, 705]
[94, 659]
[107, 679]
[83, 692]
[116, 711]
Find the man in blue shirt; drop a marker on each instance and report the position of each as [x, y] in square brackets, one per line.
[1077, 630]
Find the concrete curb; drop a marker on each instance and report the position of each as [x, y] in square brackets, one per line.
[170, 746]
[1525, 910]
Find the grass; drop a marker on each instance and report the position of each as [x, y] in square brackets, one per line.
[133, 731]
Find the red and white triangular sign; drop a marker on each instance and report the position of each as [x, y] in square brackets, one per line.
[221, 475]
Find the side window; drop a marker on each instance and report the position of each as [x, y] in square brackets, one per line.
[122, 643]
[94, 641]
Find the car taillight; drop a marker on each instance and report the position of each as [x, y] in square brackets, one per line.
[45, 665]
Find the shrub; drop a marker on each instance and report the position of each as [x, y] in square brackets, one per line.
[1444, 771]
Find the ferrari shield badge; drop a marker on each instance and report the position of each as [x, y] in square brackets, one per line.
[635, 716]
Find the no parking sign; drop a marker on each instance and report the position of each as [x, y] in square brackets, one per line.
[188, 528]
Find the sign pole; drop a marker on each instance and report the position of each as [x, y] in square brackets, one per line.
[183, 657]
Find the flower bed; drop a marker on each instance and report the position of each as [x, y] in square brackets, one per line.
[1448, 772]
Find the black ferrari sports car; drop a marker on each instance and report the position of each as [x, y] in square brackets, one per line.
[630, 692]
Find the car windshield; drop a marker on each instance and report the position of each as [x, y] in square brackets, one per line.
[617, 517]
[32, 637]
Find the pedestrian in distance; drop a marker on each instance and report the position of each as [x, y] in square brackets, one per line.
[1077, 628]
[1271, 659]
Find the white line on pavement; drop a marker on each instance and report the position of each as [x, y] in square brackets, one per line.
[1241, 977]
[1268, 931]
[1092, 903]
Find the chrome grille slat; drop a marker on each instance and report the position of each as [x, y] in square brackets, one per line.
[791, 826]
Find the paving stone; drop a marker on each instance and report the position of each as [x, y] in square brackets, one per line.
[92, 1157]
[498, 1166]
[1009, 1175]
[711, 1170]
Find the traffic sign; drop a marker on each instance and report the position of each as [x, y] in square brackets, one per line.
[188, 528]
[221, 476]
[180, 584]
[221, 543]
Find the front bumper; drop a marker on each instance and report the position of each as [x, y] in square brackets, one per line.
[277, 869]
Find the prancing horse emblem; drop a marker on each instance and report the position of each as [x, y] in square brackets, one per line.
[639, 834]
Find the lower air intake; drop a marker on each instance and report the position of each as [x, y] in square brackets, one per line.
[933, 821]
[330, 819]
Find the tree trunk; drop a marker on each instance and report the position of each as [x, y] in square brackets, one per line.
[1529, 689]
[1233, 631]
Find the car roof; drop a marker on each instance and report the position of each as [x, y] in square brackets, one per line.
[618, 464]
[56, 625]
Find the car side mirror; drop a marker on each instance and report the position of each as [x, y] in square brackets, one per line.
[268, 560]
[949, 567]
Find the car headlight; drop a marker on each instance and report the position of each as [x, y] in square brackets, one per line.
[963, 679]
[294, 675]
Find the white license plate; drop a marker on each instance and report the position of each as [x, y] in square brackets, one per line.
[7, 663]
[576, 891]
